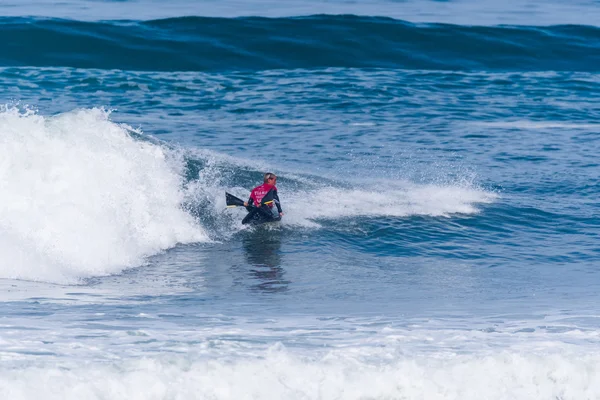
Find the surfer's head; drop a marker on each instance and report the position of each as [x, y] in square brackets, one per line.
[270, 178]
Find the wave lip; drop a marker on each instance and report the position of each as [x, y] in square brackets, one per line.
[258, 43]
[80, 197]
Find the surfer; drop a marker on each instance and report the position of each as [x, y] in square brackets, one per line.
[257, 194]
[260, 203]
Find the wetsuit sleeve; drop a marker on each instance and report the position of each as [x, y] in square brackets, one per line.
[276, 197]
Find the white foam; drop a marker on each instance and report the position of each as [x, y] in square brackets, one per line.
[279, 374]
[408, 200]
[149, 356]
[363, 124]
[80, 197]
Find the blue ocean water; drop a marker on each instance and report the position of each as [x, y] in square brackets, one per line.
[438, 171]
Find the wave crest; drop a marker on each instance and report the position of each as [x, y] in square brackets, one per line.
[80, 197]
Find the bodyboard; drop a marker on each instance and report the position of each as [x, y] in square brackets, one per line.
[233, 201]
[260, 215]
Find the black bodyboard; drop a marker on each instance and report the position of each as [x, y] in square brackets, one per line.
[231, 200]
[260, 215]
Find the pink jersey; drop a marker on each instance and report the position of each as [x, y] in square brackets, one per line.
[259, 192]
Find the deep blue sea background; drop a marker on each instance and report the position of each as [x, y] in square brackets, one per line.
[438, 169]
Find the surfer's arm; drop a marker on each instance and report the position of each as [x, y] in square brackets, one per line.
[276, 197]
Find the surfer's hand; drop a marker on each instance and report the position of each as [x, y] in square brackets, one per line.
[245, 204]
[281, 214]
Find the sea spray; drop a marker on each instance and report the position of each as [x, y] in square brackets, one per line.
[80, 197]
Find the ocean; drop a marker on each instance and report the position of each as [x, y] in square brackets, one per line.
[437, 166]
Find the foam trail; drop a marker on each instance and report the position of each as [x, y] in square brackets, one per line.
[305, 200]
[80, 197]
[412, 199]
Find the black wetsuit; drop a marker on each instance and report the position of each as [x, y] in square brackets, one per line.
[258, 213]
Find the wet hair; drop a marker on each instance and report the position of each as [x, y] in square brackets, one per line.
[268, 176]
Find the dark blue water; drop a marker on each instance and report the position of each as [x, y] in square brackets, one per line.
[317, 41]
[439, 181]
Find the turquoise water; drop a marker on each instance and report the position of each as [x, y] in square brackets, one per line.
[439, 180]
